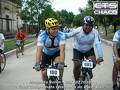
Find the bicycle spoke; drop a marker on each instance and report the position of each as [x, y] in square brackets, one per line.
[3, 62]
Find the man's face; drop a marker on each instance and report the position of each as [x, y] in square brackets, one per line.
[53, 31]
[87, 27]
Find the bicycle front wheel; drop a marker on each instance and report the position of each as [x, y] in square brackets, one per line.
[3, 62]
[88, 85]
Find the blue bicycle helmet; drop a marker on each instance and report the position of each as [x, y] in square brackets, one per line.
[88, 20]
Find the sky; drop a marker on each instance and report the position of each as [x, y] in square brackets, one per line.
[69, 5]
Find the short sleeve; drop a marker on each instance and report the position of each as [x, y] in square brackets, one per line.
[2, 36]
[116, 37]
[40, 41]
[63, 39]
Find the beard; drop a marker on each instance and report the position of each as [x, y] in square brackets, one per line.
[87, 32]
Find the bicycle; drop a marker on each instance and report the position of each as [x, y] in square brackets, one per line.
[84, 82]
[118, 80]
[19, 48]
[118, 76]
[2, 62]
[53, 77]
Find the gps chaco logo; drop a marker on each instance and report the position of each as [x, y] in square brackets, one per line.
[105, 7]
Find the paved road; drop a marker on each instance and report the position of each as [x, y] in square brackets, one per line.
[19, 74]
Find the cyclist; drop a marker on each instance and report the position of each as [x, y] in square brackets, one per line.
[20, 36]
[50, 46]
[61, 27]
[84, 39]
[2, 39]
[116, 67]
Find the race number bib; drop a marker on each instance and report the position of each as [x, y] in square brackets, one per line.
[52, 72]
[87, 64]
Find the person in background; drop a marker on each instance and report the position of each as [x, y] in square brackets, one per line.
[2, 39]
[116, 67]
[61, 27]
[20, 39]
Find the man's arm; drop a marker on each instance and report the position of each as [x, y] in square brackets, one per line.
[38, 58]
[39, 50]
[38, 54]
[115, 43]
[62, 57]
[62, 53]
[72, 33]
[115, 49]
[98, 45]
[17, 36]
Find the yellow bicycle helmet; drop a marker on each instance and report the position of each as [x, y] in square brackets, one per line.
[51, 22]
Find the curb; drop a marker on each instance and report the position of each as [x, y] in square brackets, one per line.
[14, 50]
[109, 43]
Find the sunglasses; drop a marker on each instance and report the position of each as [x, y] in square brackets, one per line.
[54, 28]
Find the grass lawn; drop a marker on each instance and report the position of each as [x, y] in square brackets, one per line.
[11, 44]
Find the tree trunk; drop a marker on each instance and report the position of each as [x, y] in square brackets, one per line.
[115, 27]
[105, 31]
[104, 21]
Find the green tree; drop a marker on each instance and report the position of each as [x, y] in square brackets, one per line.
[48, 12]
[76, 20]
[65, 17]
[32, 10]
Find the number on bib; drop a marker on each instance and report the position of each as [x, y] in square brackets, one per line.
[52, 72]
[87, 64]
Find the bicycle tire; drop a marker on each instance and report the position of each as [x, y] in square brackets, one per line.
[88, 82]
[118, 80]
[3, 64]
[85, 81]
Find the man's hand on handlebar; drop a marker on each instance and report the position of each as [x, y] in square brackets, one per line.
[61, 65]
[99, 60]
[37, 67]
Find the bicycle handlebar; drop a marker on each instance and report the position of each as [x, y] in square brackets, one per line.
[80, 61]
[46, 67]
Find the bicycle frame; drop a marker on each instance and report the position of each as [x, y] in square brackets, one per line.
[118, 77]
[85, 78]
[53, 80]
